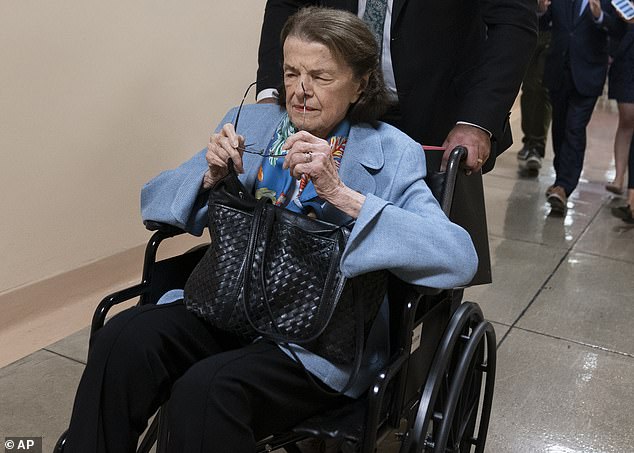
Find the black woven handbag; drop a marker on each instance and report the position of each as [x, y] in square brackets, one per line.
[273, 273]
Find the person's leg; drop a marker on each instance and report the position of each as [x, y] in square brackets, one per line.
[622, 141]
[630, 177]
[535, 102]
[630, 184]
[229, 401]
[559, 101]
[528, 101]
[572, 149]
[132, 363]
[544, 112]
[626, 213]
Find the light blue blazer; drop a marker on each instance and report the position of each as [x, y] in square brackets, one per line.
[400, 227]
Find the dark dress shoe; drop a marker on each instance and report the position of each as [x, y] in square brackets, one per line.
[624, 213]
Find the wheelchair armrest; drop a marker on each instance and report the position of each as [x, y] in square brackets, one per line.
[425, 290]
[162, 231]
[99, 316]
[166, 229]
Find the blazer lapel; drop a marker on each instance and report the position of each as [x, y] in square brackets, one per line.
[569, 13]
[357, 166]
[579, 17]
[397, 7]
[261, 122]
[358, 162]
[578, 14]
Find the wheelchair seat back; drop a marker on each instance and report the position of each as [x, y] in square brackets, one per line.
[467, 208]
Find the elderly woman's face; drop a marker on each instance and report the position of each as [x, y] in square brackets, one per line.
[329, 84]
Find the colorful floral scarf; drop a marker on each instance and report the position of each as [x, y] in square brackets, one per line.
[277, 184]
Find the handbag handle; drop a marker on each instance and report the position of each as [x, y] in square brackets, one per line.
[234, 186]
[231, 180]
[259, 214]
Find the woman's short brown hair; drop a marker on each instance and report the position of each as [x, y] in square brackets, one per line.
[351, 42]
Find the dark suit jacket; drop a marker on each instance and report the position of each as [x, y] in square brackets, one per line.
[582, 44]
[453, 60]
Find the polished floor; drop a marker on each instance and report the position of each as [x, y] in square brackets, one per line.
[562, 303]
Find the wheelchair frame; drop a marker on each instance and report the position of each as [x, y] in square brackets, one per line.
[436, 391]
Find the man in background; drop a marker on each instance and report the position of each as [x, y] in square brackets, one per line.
[453, 67]
[575, 73]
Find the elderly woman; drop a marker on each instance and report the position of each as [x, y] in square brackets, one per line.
[338, 164]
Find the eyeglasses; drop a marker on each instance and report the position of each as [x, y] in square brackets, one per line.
[261, 152]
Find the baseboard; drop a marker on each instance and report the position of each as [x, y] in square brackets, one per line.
[44, 312]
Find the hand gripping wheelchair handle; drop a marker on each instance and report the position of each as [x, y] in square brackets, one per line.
[457, 155]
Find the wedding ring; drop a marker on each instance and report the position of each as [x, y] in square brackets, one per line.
[309, 157]
[478, 160]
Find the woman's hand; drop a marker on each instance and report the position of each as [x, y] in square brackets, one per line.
[311, 156]
[223, 146]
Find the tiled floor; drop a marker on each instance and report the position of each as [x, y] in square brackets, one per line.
[562, 303]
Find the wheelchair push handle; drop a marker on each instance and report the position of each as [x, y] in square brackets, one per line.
[457, 155]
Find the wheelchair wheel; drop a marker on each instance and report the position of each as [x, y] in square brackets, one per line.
[448, 410]
[61, 442]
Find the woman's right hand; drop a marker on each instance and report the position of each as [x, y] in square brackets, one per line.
[223, 146]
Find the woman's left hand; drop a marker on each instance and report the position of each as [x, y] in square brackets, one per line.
[311, 156]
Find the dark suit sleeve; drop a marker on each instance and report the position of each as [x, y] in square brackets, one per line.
[276, 13]
[495, 81]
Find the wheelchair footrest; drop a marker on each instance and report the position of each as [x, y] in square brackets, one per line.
[346, 423]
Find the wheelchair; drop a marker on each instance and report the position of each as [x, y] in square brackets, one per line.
[434, 395]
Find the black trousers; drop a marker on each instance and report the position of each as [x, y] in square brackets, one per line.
[571, 114]
[534, 101]
[223, 396]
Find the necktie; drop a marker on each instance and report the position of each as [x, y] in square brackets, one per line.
[374, 16]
